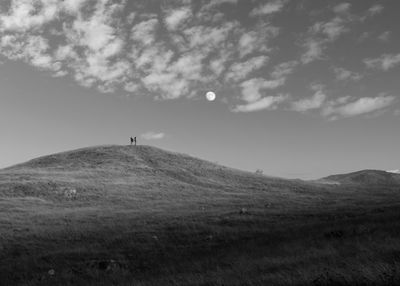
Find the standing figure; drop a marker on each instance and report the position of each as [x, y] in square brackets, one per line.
[133, 140]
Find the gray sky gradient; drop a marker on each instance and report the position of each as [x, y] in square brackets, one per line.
[304, 88]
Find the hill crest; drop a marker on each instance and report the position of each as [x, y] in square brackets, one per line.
[365, 177]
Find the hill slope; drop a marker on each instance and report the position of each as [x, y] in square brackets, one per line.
[124, 215]
[366, 178]
[129, 173]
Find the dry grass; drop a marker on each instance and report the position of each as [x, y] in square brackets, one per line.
[143, 216]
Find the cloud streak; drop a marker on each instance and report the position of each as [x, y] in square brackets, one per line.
[384, 62]
[344, 107]
[153, 135]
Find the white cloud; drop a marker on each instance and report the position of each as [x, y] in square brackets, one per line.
[322, 33]
[314, 50]
[251, 89]
[375, 9]
[344, 74]
[313, 102]
[257, 40]
[177, 17]
[331, 29]
[384, 62]
[269, 8]
[342, 8]
[25, 15]
[174, 53]
[344, 108]
[283, 69]
[215, 3]
[100, 44]
[239, 71]
[206, 38]
[269, 102]
[144, 32]
[385, 36]
[397, 171]
[153, 135]
[74, 6]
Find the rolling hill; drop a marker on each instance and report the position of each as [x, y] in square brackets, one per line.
[366, 178]
[125, 215]
[129, 173]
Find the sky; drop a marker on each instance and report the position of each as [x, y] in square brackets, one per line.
[304, 88]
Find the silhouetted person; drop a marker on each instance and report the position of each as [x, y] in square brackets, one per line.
[133, 140]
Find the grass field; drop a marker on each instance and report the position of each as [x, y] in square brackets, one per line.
[123, 215]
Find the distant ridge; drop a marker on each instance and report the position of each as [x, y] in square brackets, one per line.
[364, 177]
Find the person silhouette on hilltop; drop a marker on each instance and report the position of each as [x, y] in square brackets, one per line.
[133, 140]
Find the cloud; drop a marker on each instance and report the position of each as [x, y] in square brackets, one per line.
[385, 36]
[251, 89]
[256, 40]
[313, 102]
[344, 74]
[24, 15]
[314, 50]
[331, 29]
[214, 3]
[283, 69]
[167, 54]
[375, 9]
[269, 102]
[269, 8]
[177, 17]
[397, 171]
[321, 33]
[175, 49]
[342, 8]
[153, 135]
[344, 108]
[239, 71]
[384, 62]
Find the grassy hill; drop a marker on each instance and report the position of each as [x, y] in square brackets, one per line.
[366, 178]
[125, 215]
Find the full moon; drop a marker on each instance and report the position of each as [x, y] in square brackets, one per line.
[210, 96]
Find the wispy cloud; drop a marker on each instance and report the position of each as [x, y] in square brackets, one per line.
[345, 107]
[345, 75]
[251, 89]
[310, 103]
[256, 40]
[268, 102]
[177, 17]
[170, 54]
[314, 50]
[385, 36]
[397, 171]
[239, 71]
[269, 8]
[384, 62]
[375, 9]
[323, 32]
[153, 135]
[179, 48]
[215, 3]
[284, 69]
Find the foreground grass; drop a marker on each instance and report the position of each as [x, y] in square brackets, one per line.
[359, 247]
